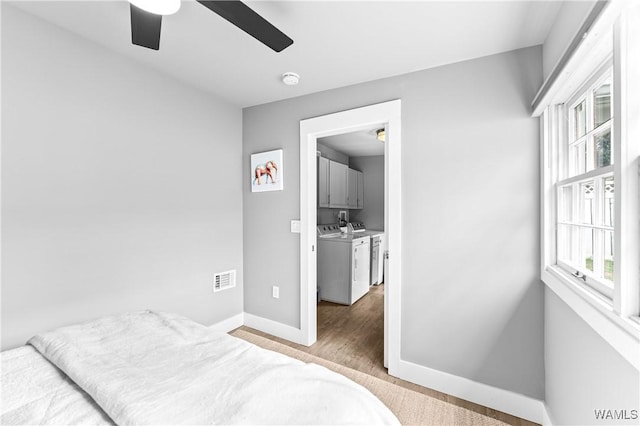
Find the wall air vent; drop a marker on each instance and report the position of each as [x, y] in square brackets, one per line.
[224, 280]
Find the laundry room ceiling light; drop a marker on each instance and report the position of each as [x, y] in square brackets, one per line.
[290, 78]
[380, 135]
[158, 7]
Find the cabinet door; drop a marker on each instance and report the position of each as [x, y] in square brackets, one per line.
[323, 182]
[352, 183]
[360, 201]
[337, 185]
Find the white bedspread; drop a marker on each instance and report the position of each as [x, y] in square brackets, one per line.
[155, 368]
[34, 392]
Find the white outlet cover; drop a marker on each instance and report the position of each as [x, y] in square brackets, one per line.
[276, 292]
[295, 226]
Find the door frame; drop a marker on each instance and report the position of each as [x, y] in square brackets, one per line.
[387, 114]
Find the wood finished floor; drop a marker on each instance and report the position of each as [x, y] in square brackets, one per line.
[353, 336]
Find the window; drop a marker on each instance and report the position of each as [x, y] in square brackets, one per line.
[585, 191]
[590, 184]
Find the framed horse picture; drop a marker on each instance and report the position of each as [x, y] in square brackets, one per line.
[266, 171]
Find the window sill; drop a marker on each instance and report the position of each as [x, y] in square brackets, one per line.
[623, 334]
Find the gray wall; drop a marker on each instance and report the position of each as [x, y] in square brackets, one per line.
[373, 171]
[583, 372]
[120, 187]
[325, 216]
[472, 302]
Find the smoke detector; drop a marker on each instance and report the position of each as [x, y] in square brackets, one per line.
[290, 78]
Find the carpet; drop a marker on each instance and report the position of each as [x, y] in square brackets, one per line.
[411, 408]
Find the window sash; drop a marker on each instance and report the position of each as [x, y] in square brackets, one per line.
[595, 284]
[572, 230]
[586, 143]
[580, 245]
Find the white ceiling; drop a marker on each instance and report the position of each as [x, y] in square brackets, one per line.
[356, 144]
[336, 43]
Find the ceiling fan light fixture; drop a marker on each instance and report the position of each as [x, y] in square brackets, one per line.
[157, 7]
[290, 78]
[380, 135]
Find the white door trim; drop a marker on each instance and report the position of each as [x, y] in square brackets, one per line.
[389, 115]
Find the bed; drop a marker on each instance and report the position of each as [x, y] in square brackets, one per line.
[159, 368]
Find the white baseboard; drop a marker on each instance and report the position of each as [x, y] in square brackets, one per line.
[274, 328]
[229, 324]
[499, 399]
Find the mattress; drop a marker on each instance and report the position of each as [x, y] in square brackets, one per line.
[157, 368]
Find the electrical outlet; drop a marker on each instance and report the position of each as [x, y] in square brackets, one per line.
[275, 292]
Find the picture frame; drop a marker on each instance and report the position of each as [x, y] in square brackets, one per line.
[267, 171]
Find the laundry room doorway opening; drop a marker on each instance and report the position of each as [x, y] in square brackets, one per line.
[385, 116]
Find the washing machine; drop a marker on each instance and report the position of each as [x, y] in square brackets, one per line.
[343, 265]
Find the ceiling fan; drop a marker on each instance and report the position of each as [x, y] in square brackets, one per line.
[146, 20]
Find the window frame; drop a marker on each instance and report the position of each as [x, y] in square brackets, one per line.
[616, 35]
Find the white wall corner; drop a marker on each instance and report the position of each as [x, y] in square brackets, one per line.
[479, 393]
[546, 417]
[229, 324]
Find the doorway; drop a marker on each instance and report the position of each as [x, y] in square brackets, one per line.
[350, 189]
[387, 114]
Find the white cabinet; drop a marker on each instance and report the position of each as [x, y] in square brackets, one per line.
[360, 201]
[352, 184]
[339, 186]
[338, 177]
[323, 182]
[356, 189]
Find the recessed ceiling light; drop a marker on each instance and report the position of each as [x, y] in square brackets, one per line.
[290, 78]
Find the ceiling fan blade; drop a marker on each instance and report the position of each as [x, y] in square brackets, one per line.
[243, 17]
[145, 28]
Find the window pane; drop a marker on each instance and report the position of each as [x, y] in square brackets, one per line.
[586, 248]
[579, 159]
[608, 255]
[580, 115]
[609, 213]
[602, 104]
[565, 246]
[565, 204]
[603, 148]
[590, 154]
[587, 202]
